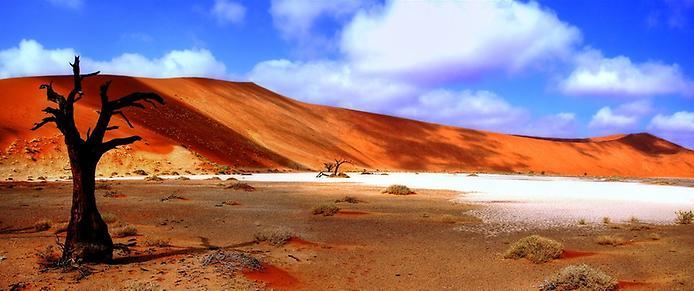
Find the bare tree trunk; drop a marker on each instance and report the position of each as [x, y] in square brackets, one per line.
[87, 234]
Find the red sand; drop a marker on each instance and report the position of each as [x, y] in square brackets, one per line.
[246, 126]
[570, 254]
[273, 277]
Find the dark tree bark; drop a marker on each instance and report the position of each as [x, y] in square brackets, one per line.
[338, 163]
[87, 238]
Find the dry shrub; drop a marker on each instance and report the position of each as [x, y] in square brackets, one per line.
[154, 178]
[398, 190]
[43, 224]
[684, 217]
[535, 248]
[109, 217]
[183, 178]
[582, 221]
[611, 240]
[140, 172]
[231, 179]
[581, 277]
[173, 196]
[274, 236]
[654, 236]
[241, 186]
[325, 210]
[213, 178]
[339, 175]
[230, 262]
[102, 186]
[606, 220]
[125, 231]
[348, 199]
[634, 220]
[157, 242]
[231, 203]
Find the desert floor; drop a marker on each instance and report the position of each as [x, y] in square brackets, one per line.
[423, 241]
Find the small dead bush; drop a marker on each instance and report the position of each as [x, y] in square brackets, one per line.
[325, 210]
[684, 217]
[109, 217]
[125, 231]
[157, 242]
[606, 220]
[581, 277]
[231, 203]
[182, 178]
[154, 178]
[398, 190]
[582, 221]
[173, 196]
[274, 236]
[634, 220]
[241, 186]
[348, 199]
[231, 262]
[213, 178]
[140, 172]
[42, 225]
[535, 248]
[48, 257]
[112, 194]
[611, 240]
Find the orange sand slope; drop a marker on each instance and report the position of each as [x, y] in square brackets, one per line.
[246, 126]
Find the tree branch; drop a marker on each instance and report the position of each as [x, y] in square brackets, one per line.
[132, 99]
[124, 117]
[43, 122]
[111, 144]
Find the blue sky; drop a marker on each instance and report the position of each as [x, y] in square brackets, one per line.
[549, 68]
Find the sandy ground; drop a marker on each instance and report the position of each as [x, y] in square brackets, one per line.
[420, 242]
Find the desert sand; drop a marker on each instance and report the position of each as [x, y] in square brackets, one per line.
[221, 126]
[385, 242]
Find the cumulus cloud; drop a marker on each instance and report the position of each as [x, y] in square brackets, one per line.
[678, 127]
[476, 109]
[449, 40]
[295, 18]
[30, 58]
[330, 83]
[226, 11]
[619, 76]
[606, 118]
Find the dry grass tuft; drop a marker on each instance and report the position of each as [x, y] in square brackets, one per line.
[581, 277]
[325, 210]
[182, 178]
[125, 231]
[398, 190]
[582, 221]
[230, 262]
[278, 236]
[606, 220]
[157, 242]
[241, 186]
[535, 248]
[143, 286]
[684, 217]
[348, 199]
[109, 217]
[43, 224]
[154, 178]
[611, 240]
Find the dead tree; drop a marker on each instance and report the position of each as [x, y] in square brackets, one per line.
[338, 163]
[87, 235]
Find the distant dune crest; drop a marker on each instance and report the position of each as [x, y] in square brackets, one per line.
[210, 124]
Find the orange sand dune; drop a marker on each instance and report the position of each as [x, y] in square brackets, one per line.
[246, 126]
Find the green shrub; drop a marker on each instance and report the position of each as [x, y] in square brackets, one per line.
[535, 248]
[581, 277]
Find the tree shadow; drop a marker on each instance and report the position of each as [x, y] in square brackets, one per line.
[181, 251]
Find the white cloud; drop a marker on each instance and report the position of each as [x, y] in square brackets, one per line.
[476, 109]
[444, 40]
[30, 58]
[295, 18]
[226, 11]
[327, 82]
[618, 76]
[682, 121]
[72, 4]
[605, 118]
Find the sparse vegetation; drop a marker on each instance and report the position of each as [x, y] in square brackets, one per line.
[684, 217]
[582, 221]
[325, 210]
[125, 231]
[398, 190]
[230, 262]
[140, 172]
[274, 236]
[143, 286]
[157, 242]
[611, 240]
[582, 277]
[109, 218]
[606, 220]
[213, 178]
[535, 248]
[231, 203]
[241, 186]
[348, 199]
[182, 178]
[173, 196]
[154, 178]
[48, 257]
[634, 220]
[42, 225]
